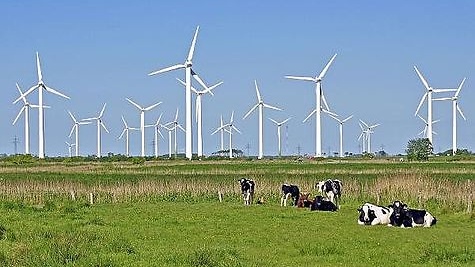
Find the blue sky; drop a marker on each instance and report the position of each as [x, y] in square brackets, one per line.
[101, 51]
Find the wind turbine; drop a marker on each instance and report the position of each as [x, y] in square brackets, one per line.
[188, 73]
[169, 139]
[142, 120]
[319, 96]
[341, 122]
[100, 124]
[40, 86]
[363, 137]
[279, 125]
[75, 128]
[174, 125]
[455, 108]
[69, 148]
[25, 109]
[230, 126]
[428, 95]
[157, 132]
[261, 105]
[369, 131]
[424, 131]
[198, 110]
[126, 132]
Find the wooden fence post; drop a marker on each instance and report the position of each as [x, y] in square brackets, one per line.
[91, 198]
[220, 196]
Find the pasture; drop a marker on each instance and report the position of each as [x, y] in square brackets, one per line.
[167, 213]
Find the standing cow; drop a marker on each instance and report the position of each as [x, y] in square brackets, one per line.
[331, 189]
[289, 190]
[404, 217]
[247, 190]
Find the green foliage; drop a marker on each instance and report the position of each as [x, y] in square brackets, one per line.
[419, 149]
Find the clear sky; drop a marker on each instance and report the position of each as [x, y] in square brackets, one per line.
[101, 51]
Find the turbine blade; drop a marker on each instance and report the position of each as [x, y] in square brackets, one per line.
[176, 115]
[133, 103]
[102, 111]
[274, 121]
[123, 131]
[286, 120]
[125, 123]
[324, 71]
[181, 128]
[460, 87]
[335, 118]
[198, 79]
[21, 94]
[72, 117]
[232, 117]
[310, 79]
[38, 67]
[443, 90]
[104, 126]
[259, 99]
[420, 103]
[152, 106]
[184, 84]
[460, 111]
[211, 88]
[193, 43]
[174, 67]
[250, 111]
[422, 78]
[26, 93]
[309, 115]
[345, 120]
[422, 119]
[329, 112]
[19, 113]
[235, 128]
[364, 123]
[158, 120]
[324, 100]
[51, 90]
[72, 129]
[271, 107]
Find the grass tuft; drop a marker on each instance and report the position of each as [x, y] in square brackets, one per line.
[442, 254]
[210, 257]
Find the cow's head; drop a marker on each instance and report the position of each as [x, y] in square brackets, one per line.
[399, 210]
[367, 215]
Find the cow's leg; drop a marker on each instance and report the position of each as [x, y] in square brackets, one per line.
[285, 200]
[282, 200]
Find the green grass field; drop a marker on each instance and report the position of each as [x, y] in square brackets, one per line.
[168, 214]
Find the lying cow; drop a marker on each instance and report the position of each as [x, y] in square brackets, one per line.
[331, 189]
[289, 190]
[304, 201]
[404, 217]
[247, 190]
[321, 204]
[371, 214]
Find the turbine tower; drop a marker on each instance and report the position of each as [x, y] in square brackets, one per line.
[126, 132]
[174, 125]
[279, 125]
[156, 133]
[318, 93]
[428, 95]
[40, 86]
[25, 109]
[75, 128]
[169, 139]
[455, 108]
[198, 110]
[261, 105]
[142, 120]
[341, 122]
[188, 73]
[100, 124]
[230, 126]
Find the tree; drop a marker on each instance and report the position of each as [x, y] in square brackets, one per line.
[419, 149]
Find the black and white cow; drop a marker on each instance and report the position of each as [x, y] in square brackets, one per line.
[289, 190]
[331, 189]
[371, 214]
[404, 217]
[321, 204]
[247, 190]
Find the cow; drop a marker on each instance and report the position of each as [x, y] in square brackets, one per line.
[304, 201]
[371, 214]
[289, 190]
[321, 204]
[247, 190]
[331, 189]
[404, 217]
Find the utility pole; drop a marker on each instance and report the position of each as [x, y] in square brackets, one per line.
[298, 149]
[15, 144]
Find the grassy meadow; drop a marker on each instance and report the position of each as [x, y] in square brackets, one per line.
[167, 213]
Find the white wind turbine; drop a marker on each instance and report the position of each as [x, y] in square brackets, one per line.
[222, 132]
[100, 124]
[170, 130]
[428, 95]
[126, 132]
[424, 131]
[261, 105]
[25, 109]
[70, 146]
[319, 98]
[188, 73]
[279, 125]
[142, 121]
[198, 110]
[363, 137]
[341, 122]
[369, 132]
[173, 126]
[75, 128]
[157, 126]
[230, 126]
[455, 108]
[40, 86]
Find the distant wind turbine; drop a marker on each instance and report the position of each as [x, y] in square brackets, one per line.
[126, 132]
[157, 126]
[70, 148]
[424, 131]
[279, 125]
[75, 128]
[174, 125]
[341, 122]
[40, 86]
[369, 132]
[230, 126]
[100, 124]
[261, 105]
[142, 121]
[455, 108]
[319, 98]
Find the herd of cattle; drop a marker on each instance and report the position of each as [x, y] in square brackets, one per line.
[396, 214]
